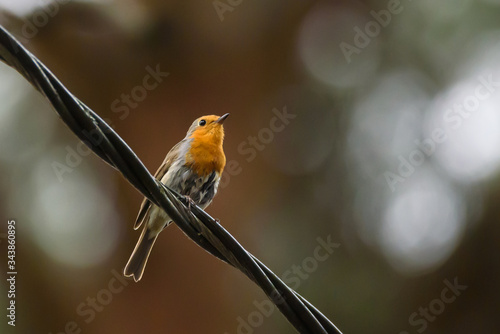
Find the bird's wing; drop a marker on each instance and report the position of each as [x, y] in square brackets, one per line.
[164, 167]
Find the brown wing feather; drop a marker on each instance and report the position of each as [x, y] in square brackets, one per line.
[164, 167]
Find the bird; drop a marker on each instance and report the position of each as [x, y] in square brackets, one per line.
[193, 168]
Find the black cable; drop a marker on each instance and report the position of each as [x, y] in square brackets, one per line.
[194, 222]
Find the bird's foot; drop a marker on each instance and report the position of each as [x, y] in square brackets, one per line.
[190, 201]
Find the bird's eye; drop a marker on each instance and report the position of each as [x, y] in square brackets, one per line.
[202, 122]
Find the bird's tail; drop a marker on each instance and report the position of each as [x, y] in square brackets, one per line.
[137, 262]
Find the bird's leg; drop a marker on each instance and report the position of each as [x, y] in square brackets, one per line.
[190, 201]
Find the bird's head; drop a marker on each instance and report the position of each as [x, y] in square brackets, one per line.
[208, 129]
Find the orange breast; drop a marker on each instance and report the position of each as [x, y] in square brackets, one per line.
[205, 157]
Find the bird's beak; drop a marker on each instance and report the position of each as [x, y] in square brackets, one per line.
[222, 118]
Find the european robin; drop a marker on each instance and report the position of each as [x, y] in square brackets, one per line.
[193, 168]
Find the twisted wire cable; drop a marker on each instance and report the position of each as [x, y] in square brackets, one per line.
[200, 227]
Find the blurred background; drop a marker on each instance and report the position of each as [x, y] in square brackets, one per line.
[387, 142]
